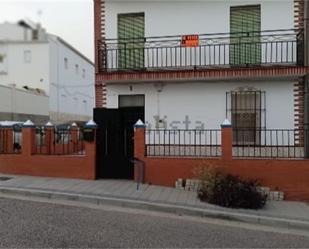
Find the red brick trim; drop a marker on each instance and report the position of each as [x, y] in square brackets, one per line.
[212, 74]
[98, 95]
[299, 95]
[299, 14]
[99, 26]
[99, 29]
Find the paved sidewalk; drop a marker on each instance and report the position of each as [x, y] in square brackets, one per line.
[125, 193]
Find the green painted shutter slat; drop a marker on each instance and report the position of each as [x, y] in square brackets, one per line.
[245, 28]
[131, 32]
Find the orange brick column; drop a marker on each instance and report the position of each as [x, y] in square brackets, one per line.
[28, 139]
[1, 140]
[90, 150]
[139, 151]
[227, 140]
[49, 139]
[8, 138]
[74, 138]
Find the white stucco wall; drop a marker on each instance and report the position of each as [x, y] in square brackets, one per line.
[11, 31]
[20, 101]
[16, 71]
[176, 17]
[204, 103]
[70, 92]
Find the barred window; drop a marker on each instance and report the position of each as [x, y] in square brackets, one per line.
[246, 110]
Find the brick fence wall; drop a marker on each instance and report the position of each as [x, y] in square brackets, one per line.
[27, 162]
[290, 176]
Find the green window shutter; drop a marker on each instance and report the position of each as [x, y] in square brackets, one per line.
[131, 32]
[245, 28]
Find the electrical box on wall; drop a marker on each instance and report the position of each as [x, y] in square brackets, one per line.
[88, 134]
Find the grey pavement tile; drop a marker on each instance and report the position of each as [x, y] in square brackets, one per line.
[165, 194]
[174, 197]
[182, 198]
[155, 193]
[144, 194]
[121, 189]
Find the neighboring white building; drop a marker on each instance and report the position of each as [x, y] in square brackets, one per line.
[30, 58]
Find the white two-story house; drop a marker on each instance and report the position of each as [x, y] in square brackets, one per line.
[191, 64]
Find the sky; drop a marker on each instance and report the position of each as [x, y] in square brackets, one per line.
[72, 20]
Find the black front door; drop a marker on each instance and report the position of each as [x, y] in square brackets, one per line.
[115, 144]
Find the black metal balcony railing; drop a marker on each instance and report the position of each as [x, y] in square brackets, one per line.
[266, 48]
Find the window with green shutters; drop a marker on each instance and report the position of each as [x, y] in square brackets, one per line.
[131, 33]
[245, 27]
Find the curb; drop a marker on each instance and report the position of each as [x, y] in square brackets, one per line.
[167, 208]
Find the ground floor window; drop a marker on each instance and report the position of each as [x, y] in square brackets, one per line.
[246, 109]
[131, 101]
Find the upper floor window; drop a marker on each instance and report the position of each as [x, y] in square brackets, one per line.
[245, 28]
[2, 58]
[84, 73]
[130, 27]
[76, 69]
[27, 56]
[66, 63]
[35, 34]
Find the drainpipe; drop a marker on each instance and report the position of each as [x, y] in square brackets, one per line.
[306, 80]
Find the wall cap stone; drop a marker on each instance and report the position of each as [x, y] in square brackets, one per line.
[139, 124]
[6, 124]
[49, 124]
[226, 124]
[28, 124]
[91, 124]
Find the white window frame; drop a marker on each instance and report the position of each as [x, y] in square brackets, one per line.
[76, 69]
[66, 63]
[27, 56]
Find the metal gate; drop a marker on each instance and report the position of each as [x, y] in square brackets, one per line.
[115, 144]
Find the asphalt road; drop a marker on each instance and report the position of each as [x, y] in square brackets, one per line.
[32, 224]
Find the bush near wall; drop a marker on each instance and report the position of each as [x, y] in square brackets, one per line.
[228, 190]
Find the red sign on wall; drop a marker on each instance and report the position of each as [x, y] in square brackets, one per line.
[191, 41]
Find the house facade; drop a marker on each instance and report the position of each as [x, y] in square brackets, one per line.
[33, 60]
[193, 64]
[183, 67]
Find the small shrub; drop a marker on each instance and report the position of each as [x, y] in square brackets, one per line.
[229, 190]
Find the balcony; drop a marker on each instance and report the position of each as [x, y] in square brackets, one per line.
[205, 51]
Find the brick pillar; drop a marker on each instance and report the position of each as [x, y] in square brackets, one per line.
[98, 94]
[8, 137]
[227, 140]
[90, 151]
[74, 138]
[49, 140]
[139, 151]
[28, 141]
[1, 140]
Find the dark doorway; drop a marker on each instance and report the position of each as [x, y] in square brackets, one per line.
[115, 144]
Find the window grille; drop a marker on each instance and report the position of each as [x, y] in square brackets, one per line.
[246, 110]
